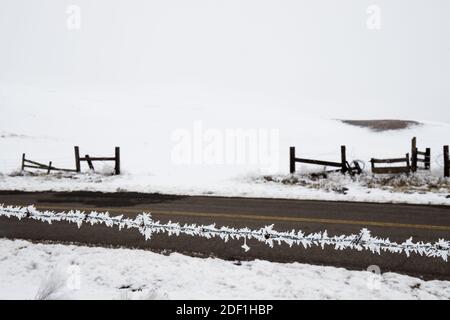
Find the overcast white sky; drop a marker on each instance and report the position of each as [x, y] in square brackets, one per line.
[316, 55]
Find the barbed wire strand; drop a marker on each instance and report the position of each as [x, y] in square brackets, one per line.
[147, 227]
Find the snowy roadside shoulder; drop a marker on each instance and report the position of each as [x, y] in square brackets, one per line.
[418, 188]
[55, 271]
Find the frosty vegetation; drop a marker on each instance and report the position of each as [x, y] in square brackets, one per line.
[335, 182]
[147, 226]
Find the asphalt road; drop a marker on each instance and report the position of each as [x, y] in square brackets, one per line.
[396, 221]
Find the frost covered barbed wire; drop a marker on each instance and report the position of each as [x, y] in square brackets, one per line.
[147, 226]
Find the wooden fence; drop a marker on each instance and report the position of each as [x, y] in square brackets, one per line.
[394, 169]
[420, 160]
[419, 156]
[342, 164]
[26, 163]
[446, 162]
[410, 164]
[90, 160]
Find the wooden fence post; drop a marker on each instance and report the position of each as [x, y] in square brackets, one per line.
[23, 161]
[292, 159]
[414, 154]
[117, 155]
[49, 167]
[407, 161]
[343, 160]
[88, 159]
[446, 162]
[427, 158]
[77, 159]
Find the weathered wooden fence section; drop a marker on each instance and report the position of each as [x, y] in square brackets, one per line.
[419, 156]
[26, 163]
[394, 169]
[446, 162]
[419, 160]
[342, 164]
[90, 160]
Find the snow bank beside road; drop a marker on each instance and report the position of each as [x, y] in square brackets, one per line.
[29, 271]
[251, 185]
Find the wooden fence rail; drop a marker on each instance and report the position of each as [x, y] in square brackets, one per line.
[397, 169]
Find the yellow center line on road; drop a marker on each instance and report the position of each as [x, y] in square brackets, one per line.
[256, 217]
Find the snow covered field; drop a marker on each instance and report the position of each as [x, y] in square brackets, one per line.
[170, 83]
[46, 124]
[55, 271]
